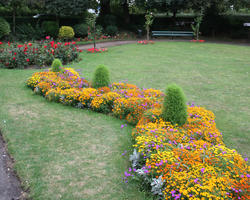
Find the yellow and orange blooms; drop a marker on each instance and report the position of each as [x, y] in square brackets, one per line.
[191, 161]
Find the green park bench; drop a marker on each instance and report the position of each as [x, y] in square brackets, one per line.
[173, 33]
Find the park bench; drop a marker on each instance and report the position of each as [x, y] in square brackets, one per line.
[173, 33]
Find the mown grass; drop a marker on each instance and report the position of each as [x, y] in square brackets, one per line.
[215, 76]
[63, 152]
[67, 153]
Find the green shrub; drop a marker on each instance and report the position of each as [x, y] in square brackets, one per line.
[101, 77]
[26, 31]
[81, 30]
[56, 65]
[174, 106]
[66, 32]
[50, 28]
[4, 27]
[111, 30]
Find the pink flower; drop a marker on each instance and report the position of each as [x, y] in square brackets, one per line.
[47, 37]
[14, 58]
[27, 60]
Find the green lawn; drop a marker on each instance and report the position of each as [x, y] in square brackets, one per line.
[67, 153]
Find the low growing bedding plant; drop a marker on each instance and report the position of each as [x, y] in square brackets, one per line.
[42, 53]
[174, 162]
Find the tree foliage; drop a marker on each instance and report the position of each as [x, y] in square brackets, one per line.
[65, 7]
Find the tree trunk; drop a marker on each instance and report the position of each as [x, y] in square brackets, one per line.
[147, 32]
[14, 20]
[126, 12]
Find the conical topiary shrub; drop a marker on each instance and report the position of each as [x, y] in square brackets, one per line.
[174, 106]
[101, 77]
[56, 65]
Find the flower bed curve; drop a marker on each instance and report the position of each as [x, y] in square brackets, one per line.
[188, 162]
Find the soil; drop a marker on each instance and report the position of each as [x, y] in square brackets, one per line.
[10, 186]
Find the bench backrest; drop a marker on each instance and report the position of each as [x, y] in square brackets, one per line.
[173, 32]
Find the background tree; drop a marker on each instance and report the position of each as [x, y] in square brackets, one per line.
[149, 21]
[14, 5]
[65, 7]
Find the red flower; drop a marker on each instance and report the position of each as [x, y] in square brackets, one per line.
[30, 44]
[80, 50]
[14, 58]
[15, 53]
[73, 42]
[45, 46]
[27, 60]
[47, 37]
[202, 41]
[1, 43]
[19, 46]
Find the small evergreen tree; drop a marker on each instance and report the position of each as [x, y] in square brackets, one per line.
[174, 106]
[101, 77]
[56, 65]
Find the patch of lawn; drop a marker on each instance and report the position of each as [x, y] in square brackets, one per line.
[215, 76]
[67, 153]
[62, 152]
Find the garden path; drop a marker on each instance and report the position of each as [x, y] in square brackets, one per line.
[118, 43]
[10, 187]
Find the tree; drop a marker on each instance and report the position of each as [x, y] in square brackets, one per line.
[149, 21]
[105, 7]
[65, 7]
[14, 5]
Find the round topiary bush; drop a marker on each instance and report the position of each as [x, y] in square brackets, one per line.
[101, 77]
[50, 28]
[174, 106]
[66, 32]
[111, 30]
[56, 65]
[4, 27]
[81, 30]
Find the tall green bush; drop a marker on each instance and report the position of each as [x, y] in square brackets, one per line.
[56, 65]
[50, 28]
[4, 27]
[174, 106]
[101, 77]
[111, 30]
[81, 30]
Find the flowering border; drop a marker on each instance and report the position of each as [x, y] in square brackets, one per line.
[187, 162]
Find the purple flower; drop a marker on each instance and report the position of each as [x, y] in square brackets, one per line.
[202, 170]
[122, 126]
[196, 180]
[246, 159]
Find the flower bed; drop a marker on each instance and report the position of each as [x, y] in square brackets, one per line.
[187, 162]
[40, 54]
[96, 50]
[145, 42]
[197, 40]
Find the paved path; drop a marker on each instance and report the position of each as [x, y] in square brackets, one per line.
[118, 43]
[106, 44]
[10, 188]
